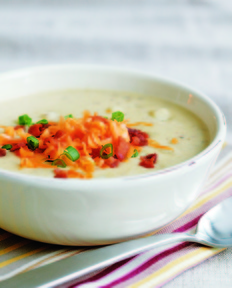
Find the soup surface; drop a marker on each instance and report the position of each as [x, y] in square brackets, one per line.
[172, 126]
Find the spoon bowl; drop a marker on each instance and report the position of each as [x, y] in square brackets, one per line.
[215, 227]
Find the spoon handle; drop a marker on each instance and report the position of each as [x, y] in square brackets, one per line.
[66, 270]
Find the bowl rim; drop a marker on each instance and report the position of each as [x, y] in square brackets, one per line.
[218, 138]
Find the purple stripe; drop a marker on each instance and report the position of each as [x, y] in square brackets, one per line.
[144, 266]
[217, 183]
[201, 210]
[147, 264]
[188, 225]
[191, 266]
[164, 254]
[104, 272]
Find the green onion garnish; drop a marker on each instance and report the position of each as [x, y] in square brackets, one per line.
[59, 163]
[104, 148]
[68, 116]
[32, 142]
[119, 116]
[24, 120]
[136, 154]
[7, 146]
[43, 121]
[71, 153]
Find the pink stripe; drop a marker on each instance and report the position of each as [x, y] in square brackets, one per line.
[201, 210]
[151, 261]
[188, 225]
[103, 273]
[168, 280]
[147, 264]
[144, 266]
[217, 183]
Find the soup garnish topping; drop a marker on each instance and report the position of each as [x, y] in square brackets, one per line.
[78, 144]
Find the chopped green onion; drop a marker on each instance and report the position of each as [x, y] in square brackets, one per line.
[32, 142]
[24, 120]
[68, 116]
[7, 147]
[71, 153]
[106, 117]
[104, 148]
[43, 121]
[59, 163]
[119, 116]
[136, 154]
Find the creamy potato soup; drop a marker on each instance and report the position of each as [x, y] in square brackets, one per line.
[177, 134]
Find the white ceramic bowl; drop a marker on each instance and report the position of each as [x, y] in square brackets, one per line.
[100, 211]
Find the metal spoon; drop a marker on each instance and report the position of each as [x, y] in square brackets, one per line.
[214, 229]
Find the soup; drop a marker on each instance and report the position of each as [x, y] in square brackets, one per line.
[175, 134]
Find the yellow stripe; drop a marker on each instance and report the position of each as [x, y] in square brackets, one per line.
[53, 259]
[5, 236]
[201, 252]
[208, 197]
[190, 262]
[13, 247]
[174, 264]
[44, 261]
[8, 262]
[202, 200]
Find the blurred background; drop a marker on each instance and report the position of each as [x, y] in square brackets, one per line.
[188, 40]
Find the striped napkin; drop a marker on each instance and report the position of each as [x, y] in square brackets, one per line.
[149, 269]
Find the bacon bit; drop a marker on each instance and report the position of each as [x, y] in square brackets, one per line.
[139, 123]
[35, 130]
[174, 141]
[17, 146]
[148, 161]
[2, 152]
[39, 150]
[59, 134]
[95, 153]
[60, 173]
[45, 126]
[156, 144]
[138, 137]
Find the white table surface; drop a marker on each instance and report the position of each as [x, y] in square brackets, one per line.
[188, 40]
